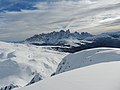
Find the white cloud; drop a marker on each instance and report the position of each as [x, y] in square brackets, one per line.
[75, 15]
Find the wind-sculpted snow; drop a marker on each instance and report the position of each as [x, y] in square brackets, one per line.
[22, 64]
[88, 57]
[104, 76]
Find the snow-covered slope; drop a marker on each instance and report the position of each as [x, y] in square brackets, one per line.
[88, 57]
[19, 63]
[105, 76]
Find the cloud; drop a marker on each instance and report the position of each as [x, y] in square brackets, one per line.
[81, 15]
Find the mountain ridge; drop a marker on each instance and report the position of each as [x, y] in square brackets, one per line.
[59, 38]
[72, 42]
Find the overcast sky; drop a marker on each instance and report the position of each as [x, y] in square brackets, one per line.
[94, 16]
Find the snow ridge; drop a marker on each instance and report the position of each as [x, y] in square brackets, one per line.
[88, 57]
[103, 76]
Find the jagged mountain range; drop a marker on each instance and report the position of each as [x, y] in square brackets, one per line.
[61, 38]
[34, 58]
[75, 41]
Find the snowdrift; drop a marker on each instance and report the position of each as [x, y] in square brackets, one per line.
[104, 76]
[88, 57]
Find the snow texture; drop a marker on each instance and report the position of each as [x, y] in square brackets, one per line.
[20, 63]
[104, 76]
[88, 57]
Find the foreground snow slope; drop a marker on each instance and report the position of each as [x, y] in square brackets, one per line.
[105, 76]
[88, 57]
[19, 63]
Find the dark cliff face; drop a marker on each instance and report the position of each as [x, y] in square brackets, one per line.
[9, 87]
[35, 79]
